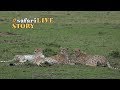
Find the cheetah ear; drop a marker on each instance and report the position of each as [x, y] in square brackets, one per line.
[36, 48]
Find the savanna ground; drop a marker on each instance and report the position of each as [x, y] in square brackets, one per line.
[94, 32]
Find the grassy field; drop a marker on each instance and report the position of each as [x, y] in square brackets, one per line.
[94, 32]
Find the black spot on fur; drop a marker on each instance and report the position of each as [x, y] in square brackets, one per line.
[48, 64]
[11, 64]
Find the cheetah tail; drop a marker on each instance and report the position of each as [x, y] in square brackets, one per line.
[6, 61]
[109, 66]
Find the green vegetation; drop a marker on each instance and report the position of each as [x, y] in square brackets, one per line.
[94, 32]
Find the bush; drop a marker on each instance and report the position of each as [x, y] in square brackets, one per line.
[114, 53]
[53, 45]
[49, 52]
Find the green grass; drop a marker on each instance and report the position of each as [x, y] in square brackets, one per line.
[91, 31]
[58, 72]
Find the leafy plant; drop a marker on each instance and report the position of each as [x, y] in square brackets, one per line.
[49, 52]
[115, 53]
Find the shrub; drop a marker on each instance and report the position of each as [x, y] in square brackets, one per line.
[114, 53]
[53, 45]
[49, 52]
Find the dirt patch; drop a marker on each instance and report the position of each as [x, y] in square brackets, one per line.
[8, 34]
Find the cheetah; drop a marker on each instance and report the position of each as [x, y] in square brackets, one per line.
[21, 58]
[91, 60]
[61, 58]
[36, 58]
[39, 58]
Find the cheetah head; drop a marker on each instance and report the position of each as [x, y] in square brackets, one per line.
[37, 50]
[63, 50]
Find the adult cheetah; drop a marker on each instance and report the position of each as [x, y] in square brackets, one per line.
[61, 58]
[91, 60]
[36, 58]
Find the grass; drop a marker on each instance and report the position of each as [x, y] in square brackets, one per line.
[58, 72]
[91, 31]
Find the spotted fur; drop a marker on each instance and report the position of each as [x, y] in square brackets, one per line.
[36, 58]
[91, 60]
[61, 58]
